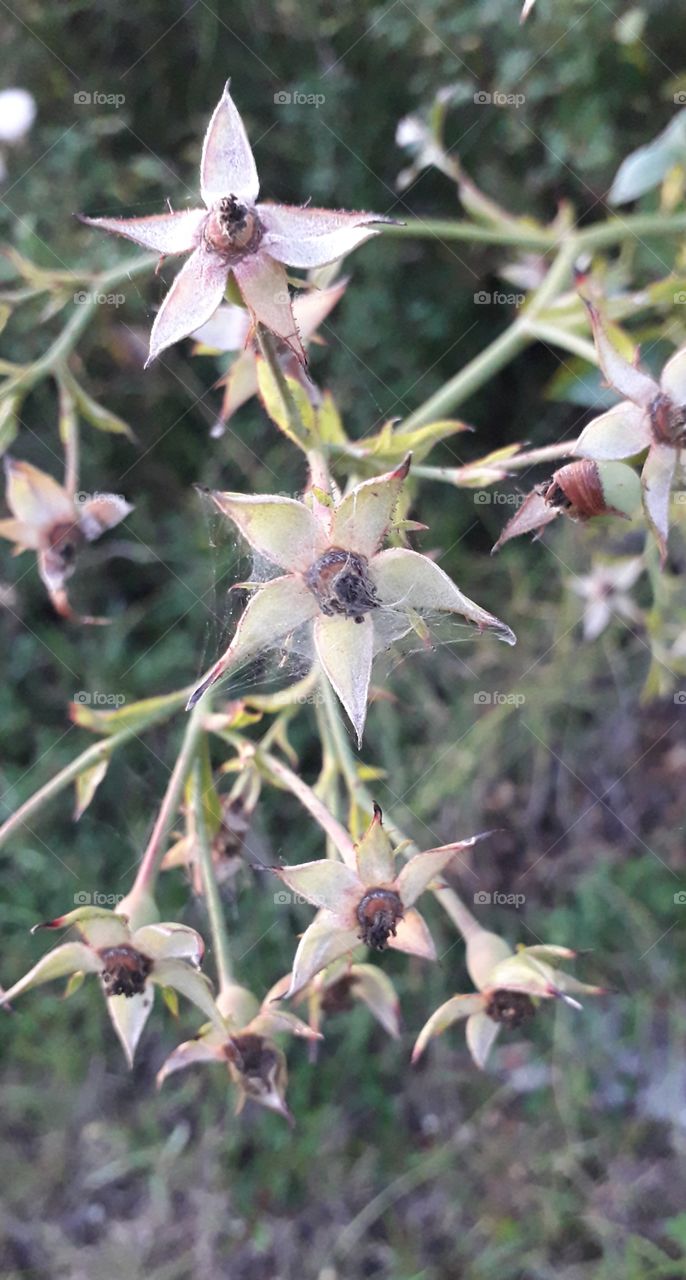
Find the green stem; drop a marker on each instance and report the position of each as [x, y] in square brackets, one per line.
[86, 760]
[154, 852]
[555, 279]
[340, 745]
[213, 902]
[460, 387]
[326, 820]
[600, 236]
[92, 756]
[557, 337]
[533, 238]
[66, 341]
[503, 349]
[463, 477]
[69, 434]
[635, 225]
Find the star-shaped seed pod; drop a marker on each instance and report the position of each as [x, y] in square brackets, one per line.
[354, 598]
[238, 237]
[652, 418]
[229, 330]
[335, 990]
[580, 490]
[130, 963]
[245, 1045]
[371, 903]
[54, 524]
[510, 984]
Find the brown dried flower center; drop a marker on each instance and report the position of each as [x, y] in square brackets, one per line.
[252, 1056]
[340, 581]
[510, 1008]
[63, 541]
[338, 997]
[125, 970]
[378, 916]
[667, 419]
[233, 229]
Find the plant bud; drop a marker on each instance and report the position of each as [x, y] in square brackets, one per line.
[587, 488]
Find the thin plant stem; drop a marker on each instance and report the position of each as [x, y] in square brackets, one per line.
[315, 807]
[504, 348]
[215, 910]
[69, 434]
[469, 379]
[543, 239]
[555, 336]
[154, 852]
[64, 344]
[463, 477]
[92, 756]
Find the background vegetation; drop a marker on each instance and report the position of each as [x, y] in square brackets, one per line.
[563, 1160]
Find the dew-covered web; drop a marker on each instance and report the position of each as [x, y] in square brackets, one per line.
[233, 562]
[398, 634]
[433, 631]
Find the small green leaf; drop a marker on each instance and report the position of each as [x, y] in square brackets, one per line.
[135, 715]
[486, 470]
[322, 496]
[98, 416]
[272, 399]
[329, 424]
[391, 445]
[75, 982]
[369, 773]
[87, 784]
[171, 1000]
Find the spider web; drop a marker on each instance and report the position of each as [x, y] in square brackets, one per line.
[398, 636]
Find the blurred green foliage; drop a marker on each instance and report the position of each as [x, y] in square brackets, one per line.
[563, 1160]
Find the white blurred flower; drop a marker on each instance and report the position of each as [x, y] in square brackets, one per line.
[605, 591]
[17, 114]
